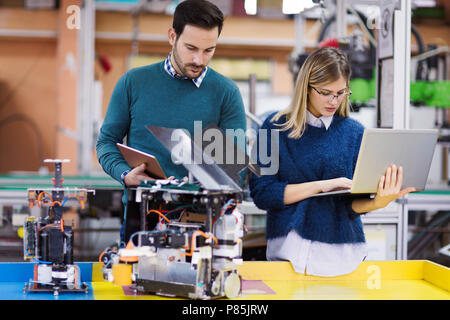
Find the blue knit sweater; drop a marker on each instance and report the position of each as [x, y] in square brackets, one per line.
[319, 154]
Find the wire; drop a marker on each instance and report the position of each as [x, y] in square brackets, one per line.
[430, 226]
[101, 256]
[40, 261]
[39, 200]
[72, 196]
[159, 213]
[57, 202]
[37, 260]
[193, 242]
[44, 193]
[228, 205]
[50, 225]
[138, 233]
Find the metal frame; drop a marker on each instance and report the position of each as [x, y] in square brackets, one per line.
[402, 62]
[86, 54]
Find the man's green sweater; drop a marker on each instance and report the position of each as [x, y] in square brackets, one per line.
[150, 96]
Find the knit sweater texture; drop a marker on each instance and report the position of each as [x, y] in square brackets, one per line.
[319, 154]
[150, 96]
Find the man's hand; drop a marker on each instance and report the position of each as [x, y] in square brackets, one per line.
[389, 187]
[135, 176]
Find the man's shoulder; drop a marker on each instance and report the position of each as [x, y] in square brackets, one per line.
[145, 71]
[213, 75]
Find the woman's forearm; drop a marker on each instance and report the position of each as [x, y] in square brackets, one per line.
[300, 191]
[364, 205]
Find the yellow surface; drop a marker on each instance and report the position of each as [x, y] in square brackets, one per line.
[108, 291]
[122, 274]
[372, 280]
[433, 274]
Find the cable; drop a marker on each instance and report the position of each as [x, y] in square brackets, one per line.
[40, 201]
[159, 213]
[229, 204]
[44, 193]
[138, 233]
[430, 226]
[72, 196]
[37, 260]
[421, 49]
[193, 242]
[363, 18]
[51, 225]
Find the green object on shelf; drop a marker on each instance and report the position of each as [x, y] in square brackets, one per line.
[442, 95]
[435, 13]
[437, 94]
[428, 93]
[416, 91]
[361, 91]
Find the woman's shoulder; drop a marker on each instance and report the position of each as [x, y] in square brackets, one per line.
[350, 123]
[272, 122]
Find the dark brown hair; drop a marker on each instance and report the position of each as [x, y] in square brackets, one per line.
[199, 13]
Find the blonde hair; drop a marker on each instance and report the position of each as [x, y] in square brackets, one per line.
[323, 66]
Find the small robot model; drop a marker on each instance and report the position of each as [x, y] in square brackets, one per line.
[48, 241]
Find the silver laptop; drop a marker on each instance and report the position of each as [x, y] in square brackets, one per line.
[412, 149]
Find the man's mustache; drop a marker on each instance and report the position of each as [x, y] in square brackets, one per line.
[195, 65]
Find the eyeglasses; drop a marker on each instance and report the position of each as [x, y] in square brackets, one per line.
[330, 97]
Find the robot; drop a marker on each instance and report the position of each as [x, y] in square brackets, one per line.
[194, 249]
[49, 241]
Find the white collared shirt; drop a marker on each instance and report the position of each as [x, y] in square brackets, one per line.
[318, 122]
[314, 257]
[171, 71]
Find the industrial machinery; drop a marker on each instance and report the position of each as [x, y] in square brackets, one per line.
[48, 241]
[194, 244]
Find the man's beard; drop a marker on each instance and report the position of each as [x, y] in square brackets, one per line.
[183, 68]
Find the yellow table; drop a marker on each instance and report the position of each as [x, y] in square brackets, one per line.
[373, 280]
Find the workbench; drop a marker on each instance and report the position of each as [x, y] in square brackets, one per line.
[262, 280]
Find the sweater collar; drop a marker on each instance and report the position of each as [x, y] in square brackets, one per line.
[318, 122]
[171, 71]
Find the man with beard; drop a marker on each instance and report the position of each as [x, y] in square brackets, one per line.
[172, 93]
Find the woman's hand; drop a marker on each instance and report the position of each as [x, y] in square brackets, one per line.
[389, 187]
[335, 184]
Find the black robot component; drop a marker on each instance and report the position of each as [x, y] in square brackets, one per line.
[49, 241]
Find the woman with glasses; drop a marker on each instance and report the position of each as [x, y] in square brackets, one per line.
[318, 145]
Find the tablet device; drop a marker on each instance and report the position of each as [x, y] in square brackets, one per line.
[135, 158]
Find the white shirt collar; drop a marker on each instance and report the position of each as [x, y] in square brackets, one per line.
[171, 71]
[318, 122]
